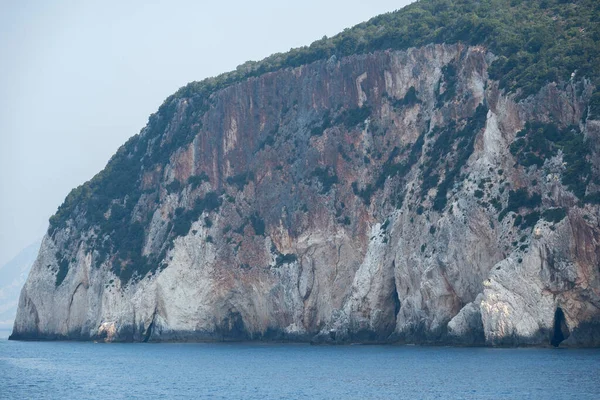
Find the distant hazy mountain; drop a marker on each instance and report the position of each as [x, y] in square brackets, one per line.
[12, 277]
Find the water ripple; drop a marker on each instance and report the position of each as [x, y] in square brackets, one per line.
[53, 370]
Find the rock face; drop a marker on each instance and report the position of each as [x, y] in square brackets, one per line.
[389, 197]
[12, 277]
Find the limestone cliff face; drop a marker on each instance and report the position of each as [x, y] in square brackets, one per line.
[373, 198]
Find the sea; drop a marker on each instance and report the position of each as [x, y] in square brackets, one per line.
[85, 370]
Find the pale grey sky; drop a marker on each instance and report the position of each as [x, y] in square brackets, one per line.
[77, 78]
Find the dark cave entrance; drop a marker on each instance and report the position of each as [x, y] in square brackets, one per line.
[561, 329]
[148, 332]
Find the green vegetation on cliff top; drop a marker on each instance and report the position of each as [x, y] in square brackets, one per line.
[536, 41]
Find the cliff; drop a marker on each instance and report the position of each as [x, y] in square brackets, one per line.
[392, 196]
[12, 277]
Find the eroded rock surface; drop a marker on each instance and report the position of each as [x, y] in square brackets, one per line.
[373, 198]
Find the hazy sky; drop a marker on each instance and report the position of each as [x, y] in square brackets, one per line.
[77, 78]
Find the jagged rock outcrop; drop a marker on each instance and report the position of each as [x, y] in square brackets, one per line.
[394, 196]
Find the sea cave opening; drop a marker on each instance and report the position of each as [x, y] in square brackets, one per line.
[561, 329]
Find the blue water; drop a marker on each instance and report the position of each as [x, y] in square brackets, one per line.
[52, 370]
